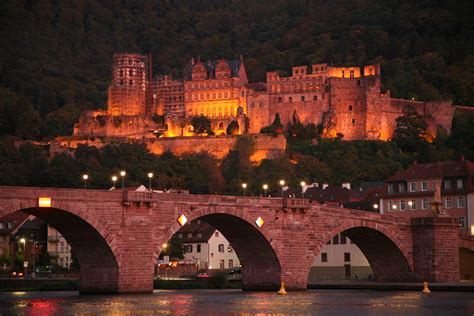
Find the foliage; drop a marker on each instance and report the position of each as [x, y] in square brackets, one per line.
[275, 128]
[218, 280]
[174, 250]
[233, 128]
[410, 132]
[201, 125]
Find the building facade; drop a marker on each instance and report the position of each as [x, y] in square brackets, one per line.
[58, 248]
[421, 188]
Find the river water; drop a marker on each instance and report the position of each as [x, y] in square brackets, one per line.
[236, 302]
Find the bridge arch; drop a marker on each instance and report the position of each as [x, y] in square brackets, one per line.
[389, 258]
[466, 259]
[90, 238]
[257, 248]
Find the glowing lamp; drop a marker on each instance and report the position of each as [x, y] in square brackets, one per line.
[182, 220]
[44, 202]
[259, 222]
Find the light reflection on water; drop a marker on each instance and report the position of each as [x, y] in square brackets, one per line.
[235, 302]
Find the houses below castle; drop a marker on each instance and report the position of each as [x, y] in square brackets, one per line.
[347, 101]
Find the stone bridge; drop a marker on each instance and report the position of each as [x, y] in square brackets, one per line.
[117, 235]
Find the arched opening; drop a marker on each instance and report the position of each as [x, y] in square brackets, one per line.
[360, 253]
[98, 267]
[466, 264]
[259, 266]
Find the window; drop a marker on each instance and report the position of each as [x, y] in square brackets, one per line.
[390, 188]
[424, 186]
[324, 257]
[343, 74]
[459, 183]
[343, 239]
[190, 248]
[390, 205]
[279, 99]
[413, 204]
[449, 202]
[216, 234]
[302, 98]
[461, 221]
[447, 184]
[290, 99]
[198, 248]
[353, 121]
[401, 187]
[461, 201]
[252, 105]
[2, 225]
[412, 186]
[221, 247]
[221, 264]
[230, 249]
[199, 235]
[424, 204]
[350, 108]
[335, 240]
[402, 205]
[231, 263]
[190, 235]
[351, 73]
[315, 98]
[347, 257]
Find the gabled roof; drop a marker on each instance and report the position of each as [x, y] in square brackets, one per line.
[16, 219]
[194, 228]
[210, 65]
[436, 170]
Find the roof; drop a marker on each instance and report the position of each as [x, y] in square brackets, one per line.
[210, 65]
[195, 227]
[15, 218]
[436, 170]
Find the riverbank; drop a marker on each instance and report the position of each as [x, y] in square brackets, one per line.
[391, 286]
[10, 285]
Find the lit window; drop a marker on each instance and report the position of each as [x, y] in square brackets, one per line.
[352, 73]
[413, 204]
[461, 201]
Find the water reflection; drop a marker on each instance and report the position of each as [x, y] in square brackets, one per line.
[234, 302]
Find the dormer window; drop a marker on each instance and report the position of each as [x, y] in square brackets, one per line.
[459, 183]
[390, 188]
[447, 184]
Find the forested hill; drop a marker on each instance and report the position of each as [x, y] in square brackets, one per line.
[55, 55]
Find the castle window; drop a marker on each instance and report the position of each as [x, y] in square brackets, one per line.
[351, 74]
[315, 98]
[350, 108]
[221, 126]
[302, 98]
[343, 74]
[121, 82]
[252, 105]
[130, 72]
[243, 93]
[121, 73]
[279, 99]
[353, 121]
[130, 82]
[290, 99]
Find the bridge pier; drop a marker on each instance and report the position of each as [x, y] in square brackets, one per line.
[435, 250]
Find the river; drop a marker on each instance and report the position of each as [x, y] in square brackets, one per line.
[236, 302]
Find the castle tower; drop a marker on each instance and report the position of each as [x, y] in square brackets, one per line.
[128, 87]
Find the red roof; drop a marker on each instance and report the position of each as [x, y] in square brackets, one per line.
[436, 170]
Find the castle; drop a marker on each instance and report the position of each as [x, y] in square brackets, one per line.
[347, 101]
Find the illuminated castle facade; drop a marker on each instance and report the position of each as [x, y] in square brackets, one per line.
[347, 101]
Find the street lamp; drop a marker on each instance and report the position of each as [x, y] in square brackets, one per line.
[303, 184]
[85, 177]
[410, 204]
[150, 175]
[375, 206]
[23, 241]
[282, 183]
[265, 187]
[394, 207]
[114, 179]
[122, 174]
[244, 186]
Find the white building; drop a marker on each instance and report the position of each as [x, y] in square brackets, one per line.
[340, 259]
[58, 248]
[206, 246]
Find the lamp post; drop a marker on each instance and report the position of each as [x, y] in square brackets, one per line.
[410, 204]
[375, 206]
[114, 179]
[122, 174]
[303, 184]
[150, 175]
[23, 241]
[282, 183]
[244, 186]
[265, 187]
[85, 177]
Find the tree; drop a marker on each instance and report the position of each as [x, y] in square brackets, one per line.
[276, 128]
[410, 131]
[201, 125]
[233, 128]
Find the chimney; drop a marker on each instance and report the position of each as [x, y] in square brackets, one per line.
[325, 185]
[346, 185]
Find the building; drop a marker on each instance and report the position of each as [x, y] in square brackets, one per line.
[206, 246]
[8, 228]
[347, 101]
[58, 248]
[414, 192]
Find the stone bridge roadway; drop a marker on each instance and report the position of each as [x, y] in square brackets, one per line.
[117, 235]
